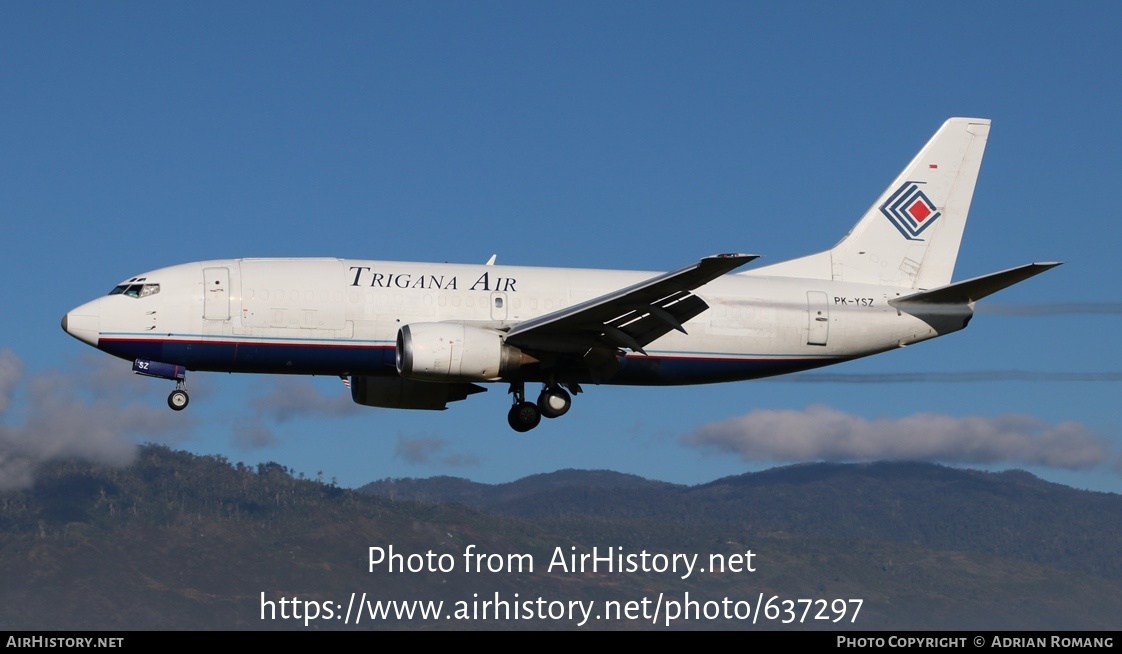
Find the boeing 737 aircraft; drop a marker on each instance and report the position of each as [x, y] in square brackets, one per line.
[421, 335]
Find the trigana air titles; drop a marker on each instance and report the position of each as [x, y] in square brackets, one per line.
[420, 335]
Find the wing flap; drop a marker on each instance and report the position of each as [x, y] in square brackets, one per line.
[629, 318]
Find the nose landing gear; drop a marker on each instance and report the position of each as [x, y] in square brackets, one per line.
[178, 398]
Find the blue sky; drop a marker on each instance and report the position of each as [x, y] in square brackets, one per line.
[603, 135]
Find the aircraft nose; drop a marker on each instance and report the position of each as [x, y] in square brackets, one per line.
[83, 322]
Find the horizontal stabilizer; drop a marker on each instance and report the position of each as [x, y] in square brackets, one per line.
[975, 289]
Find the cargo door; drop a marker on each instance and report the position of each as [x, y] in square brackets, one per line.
[818, 318]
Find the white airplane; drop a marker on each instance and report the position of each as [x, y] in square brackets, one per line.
[421, 335]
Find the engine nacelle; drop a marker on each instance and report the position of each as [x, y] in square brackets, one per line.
[400, 393]
[446, 351]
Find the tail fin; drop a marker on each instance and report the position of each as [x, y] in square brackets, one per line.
[910, 236]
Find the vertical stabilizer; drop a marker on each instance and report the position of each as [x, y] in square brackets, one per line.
[910, 236]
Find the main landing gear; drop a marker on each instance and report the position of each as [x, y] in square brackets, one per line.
[553, 402]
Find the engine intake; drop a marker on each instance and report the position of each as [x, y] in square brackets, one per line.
[445, 351]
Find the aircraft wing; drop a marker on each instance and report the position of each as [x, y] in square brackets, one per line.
[631, 317]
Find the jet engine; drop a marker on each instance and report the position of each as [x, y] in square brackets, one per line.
[446, 351]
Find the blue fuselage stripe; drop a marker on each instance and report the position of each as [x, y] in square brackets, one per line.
[377, 358]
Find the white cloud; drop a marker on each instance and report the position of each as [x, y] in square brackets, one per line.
[252, 432]
[11, 369]
[429, 450]
[73, 416]
[824, 433]
[297, 397]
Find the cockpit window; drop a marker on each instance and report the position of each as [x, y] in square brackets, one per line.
[136, 290]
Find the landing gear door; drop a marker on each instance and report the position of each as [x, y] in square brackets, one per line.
[818, 318]
[216, 293]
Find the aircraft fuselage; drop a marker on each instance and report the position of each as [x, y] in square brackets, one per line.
[341, 317]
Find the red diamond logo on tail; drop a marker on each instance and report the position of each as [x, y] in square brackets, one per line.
[910, 211]
[919, 211]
